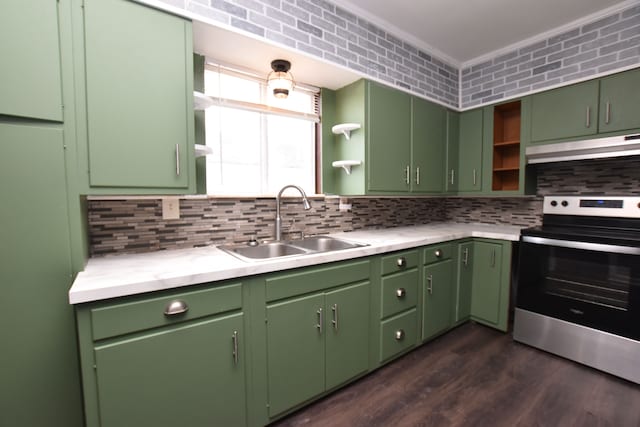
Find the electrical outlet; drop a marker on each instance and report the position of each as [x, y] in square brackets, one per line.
[170, 208]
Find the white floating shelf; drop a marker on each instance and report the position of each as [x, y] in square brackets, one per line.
[346, 164]
[345, 129]
[201, 101]
[203, 150]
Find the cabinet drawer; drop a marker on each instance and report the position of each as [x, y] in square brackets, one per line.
[316, 279]
[439, 252]
[399, 292]
[397, 334]
[399, 261]
[117, 319]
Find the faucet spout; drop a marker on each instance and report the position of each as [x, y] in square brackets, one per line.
[305, 204]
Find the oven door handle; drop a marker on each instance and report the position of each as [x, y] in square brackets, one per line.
[598, 247]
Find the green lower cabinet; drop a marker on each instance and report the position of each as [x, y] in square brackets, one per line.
[490, 288]
[315, 343]
[437, 294]
[462, 301]
[174, 377]
[295, 352]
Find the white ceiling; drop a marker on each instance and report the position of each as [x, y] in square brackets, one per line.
[467, 29]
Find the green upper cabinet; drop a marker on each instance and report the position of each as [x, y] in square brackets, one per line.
[428, 146]
[567, 112]
[620, 102]
[453, 138]
[30, 47]
[388, 160]
[139, 98]
[470, 151]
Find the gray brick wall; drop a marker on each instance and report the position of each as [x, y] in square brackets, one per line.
[327, 31]
[608, 44]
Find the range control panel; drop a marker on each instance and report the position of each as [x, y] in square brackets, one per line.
[623, 206]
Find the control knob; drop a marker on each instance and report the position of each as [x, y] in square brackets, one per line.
[565, 203]
[554, 203]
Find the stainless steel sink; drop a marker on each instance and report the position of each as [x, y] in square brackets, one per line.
[263, 251]
[324, 244]
[268, 250]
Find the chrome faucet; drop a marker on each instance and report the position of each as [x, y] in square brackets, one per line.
[305, 203]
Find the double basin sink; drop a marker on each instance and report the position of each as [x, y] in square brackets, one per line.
[277, 249]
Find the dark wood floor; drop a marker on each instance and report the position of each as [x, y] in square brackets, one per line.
[475, 376]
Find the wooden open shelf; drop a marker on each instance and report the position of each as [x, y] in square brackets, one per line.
[506, 147]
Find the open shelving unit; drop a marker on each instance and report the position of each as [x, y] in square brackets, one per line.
[506, 147]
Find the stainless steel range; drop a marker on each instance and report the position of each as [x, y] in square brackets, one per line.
[578, 290]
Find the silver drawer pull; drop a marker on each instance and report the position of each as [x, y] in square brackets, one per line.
[176, 307]
[401, 292]
[401, 262]
[399, 334]
[438, 253]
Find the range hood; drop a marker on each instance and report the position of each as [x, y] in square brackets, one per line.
[599, 148]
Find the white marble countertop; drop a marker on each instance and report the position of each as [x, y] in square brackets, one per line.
[130, 274]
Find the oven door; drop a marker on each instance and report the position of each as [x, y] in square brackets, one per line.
[591, 284]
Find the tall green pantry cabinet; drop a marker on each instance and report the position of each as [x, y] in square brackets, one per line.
[39, 370]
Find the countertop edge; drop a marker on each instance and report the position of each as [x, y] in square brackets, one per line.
[201, 265]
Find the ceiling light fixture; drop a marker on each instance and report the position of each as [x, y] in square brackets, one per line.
[280, 80]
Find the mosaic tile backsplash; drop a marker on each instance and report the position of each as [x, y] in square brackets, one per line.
[130, 226]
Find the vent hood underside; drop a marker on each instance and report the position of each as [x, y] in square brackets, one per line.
[600, 148]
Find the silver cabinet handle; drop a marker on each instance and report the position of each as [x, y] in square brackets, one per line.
[176, 307]
[588, 123]
[452, 173]
[430, 284]
[401, 262]
[407, 173]
[334, 312]
[474, 177]
[417, 175]
[607, 114]
[234, 339]
[399, 334]
[465, 260]
[438, 253]
[401, 292]
[493, 258]
[178, 159]
[319, 325]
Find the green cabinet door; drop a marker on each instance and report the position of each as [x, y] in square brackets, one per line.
[428, 145]
[453, 141]
[347, 333]
[388, 160]
[470, 151]
[139, 79]
[39, 369]
[486, 292]
[437, 294]
[464, 283]
[186, 375]
[620, 102]
[567, 112]
[30, 50]
[295, 351]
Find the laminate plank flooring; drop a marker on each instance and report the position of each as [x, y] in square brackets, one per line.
[476, 376]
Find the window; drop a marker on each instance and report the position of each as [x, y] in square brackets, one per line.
[260, 143]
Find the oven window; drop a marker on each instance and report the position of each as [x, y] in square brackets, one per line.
[593, 277]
